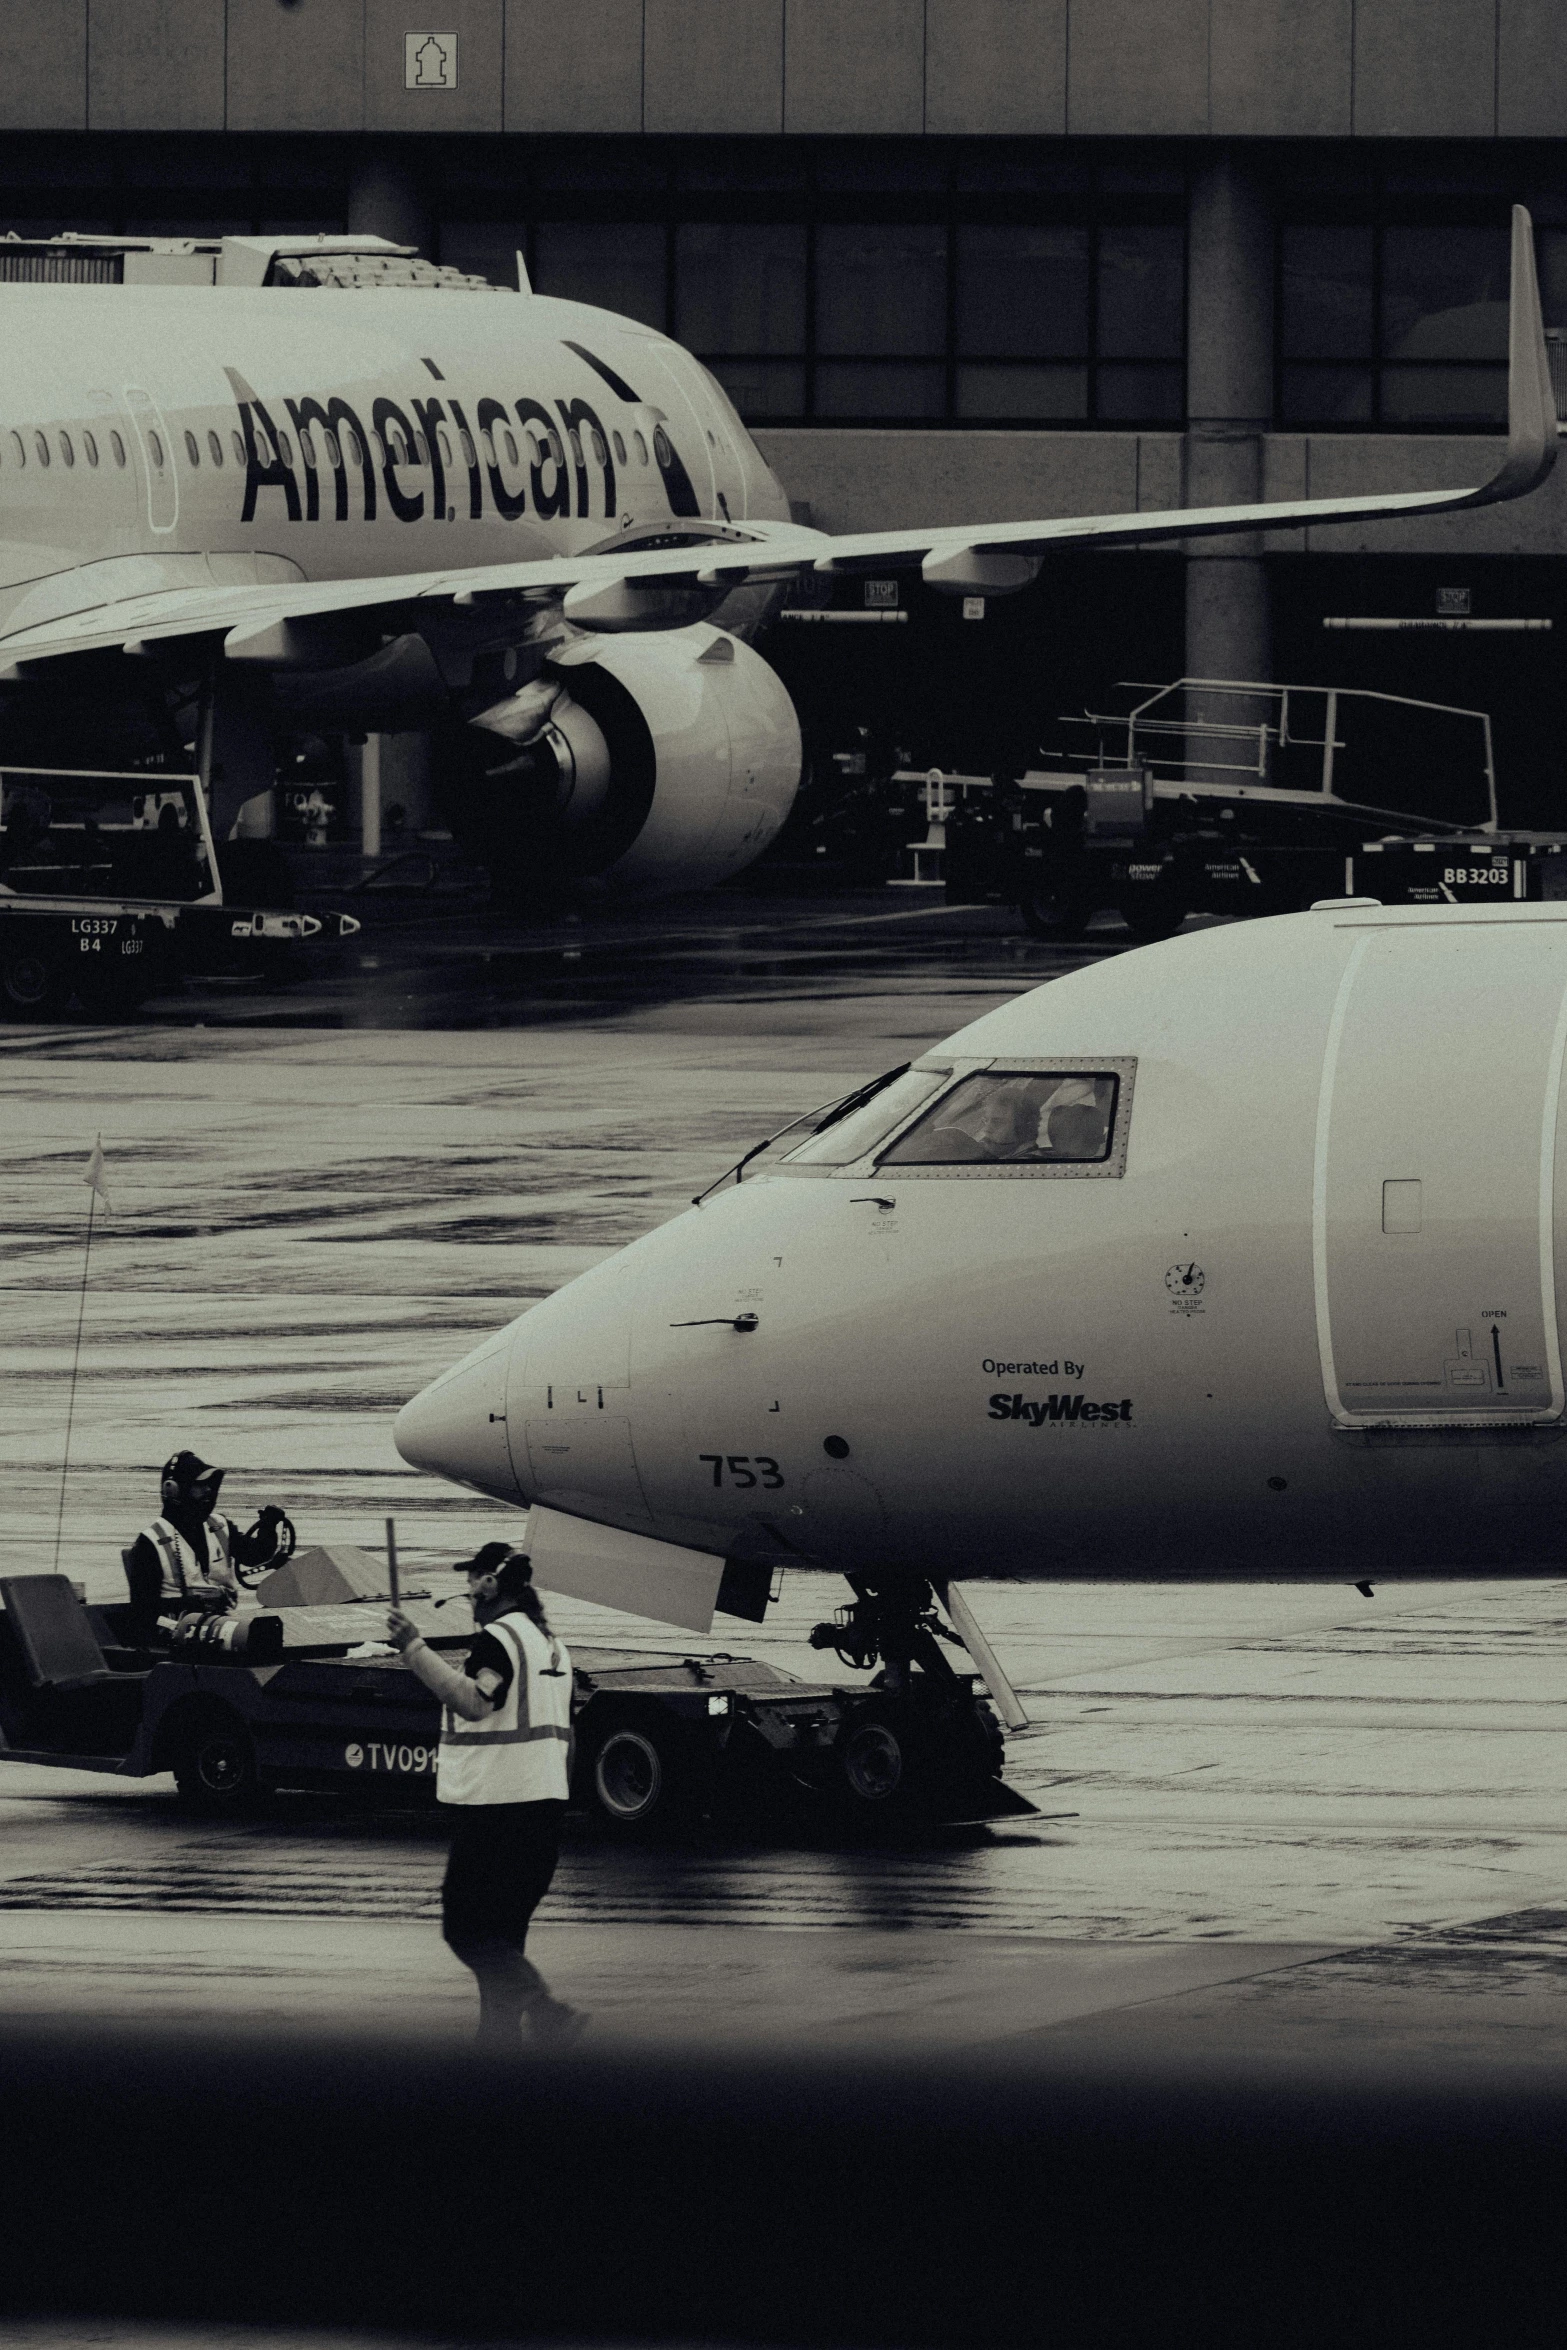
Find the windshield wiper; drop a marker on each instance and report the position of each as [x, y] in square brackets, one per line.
[825, 1113]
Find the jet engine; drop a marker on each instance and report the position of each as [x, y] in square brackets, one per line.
[636, 763]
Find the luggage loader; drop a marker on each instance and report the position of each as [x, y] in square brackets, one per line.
[660, 1739]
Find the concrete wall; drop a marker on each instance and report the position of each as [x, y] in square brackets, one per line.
[868, 480]
[1462, 69]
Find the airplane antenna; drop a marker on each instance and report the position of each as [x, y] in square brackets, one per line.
[97, 1190]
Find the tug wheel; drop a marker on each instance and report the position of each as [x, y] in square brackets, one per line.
[876, 1763]
[215, 1764]
[1059, 909]
[638, 1777]
[1153, 913]
[30, 985]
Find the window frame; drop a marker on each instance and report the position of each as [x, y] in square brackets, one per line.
[872, 1163]
[1379, 210]
[1088, 189]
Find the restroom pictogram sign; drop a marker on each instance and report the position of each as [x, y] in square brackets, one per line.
[430, 61]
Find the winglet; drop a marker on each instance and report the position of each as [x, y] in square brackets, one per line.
[1531, 401]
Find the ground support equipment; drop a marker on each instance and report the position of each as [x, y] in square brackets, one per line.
[659, 1740]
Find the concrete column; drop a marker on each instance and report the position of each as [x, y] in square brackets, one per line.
[387, 199]
[1229, 405]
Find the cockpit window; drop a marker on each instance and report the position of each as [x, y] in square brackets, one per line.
[850, 1138]
[1011, 1118]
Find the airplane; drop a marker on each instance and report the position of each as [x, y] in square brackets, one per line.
[238, 508]
[1239, 1256]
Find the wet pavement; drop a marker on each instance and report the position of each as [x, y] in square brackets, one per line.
[1282, 1816]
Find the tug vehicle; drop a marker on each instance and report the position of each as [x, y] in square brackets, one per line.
[660, 1740]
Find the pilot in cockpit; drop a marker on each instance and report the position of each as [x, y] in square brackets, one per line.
[1074, 1122]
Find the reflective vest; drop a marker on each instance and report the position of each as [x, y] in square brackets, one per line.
[520, 1751]
[186, 1582]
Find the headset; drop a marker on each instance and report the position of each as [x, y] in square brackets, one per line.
[171, 1489]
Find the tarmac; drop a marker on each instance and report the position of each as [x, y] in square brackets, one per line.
[1286, 1820]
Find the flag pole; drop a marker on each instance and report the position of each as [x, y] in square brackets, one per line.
[94, 1181]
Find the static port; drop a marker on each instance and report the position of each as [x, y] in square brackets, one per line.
[836, 1446]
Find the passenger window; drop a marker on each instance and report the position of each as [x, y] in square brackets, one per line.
[379, 446]
[468, 456]
[511, 446]
[156, 447]
[191, 449]
[849, 1136]
[285, 449]
[641, 448]
[214, 448]
[446, 446]
[334, 453]
[576, 448]
[118, 446]
[91, 447]
[239, 448]
[19, 448]
[600, 453]
[620, 449]
[1039, 1118]
[66, 450]
[42, 447]
[307, 447]
[487, 444]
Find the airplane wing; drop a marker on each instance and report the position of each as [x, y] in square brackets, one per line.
[280, 626]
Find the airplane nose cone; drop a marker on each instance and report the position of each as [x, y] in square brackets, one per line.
[456, 1427]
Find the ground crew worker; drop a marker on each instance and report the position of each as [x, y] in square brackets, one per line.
[504, 1768]
[182, 1568]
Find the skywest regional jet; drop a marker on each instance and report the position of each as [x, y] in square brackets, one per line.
[534, 523]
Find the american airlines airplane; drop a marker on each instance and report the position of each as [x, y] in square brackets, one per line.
[539, 525]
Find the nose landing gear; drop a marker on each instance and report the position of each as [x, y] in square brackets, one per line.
[922, 1734]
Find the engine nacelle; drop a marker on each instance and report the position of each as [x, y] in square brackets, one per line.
[668, 760]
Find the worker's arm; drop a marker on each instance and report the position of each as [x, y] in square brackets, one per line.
[265, 1543]
[144, 1572]
[446, 1681]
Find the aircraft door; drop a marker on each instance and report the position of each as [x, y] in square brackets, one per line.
[155, 446]
[1433, 1185]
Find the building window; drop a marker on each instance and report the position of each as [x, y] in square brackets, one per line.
[871, 282]
[1398, 325]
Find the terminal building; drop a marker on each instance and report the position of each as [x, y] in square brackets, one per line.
[955, 260]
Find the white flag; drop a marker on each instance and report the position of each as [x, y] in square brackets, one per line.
[94, 1175]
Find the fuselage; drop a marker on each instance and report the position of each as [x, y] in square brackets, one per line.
[180, 434]
[1293, 1308]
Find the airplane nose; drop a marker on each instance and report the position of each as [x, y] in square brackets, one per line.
[456, 1427]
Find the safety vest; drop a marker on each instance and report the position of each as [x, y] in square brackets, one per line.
[186, 1582]
[520, 1751]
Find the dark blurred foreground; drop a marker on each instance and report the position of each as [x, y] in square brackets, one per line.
[639, 2198]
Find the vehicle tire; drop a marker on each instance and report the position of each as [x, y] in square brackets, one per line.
[877, 1765]
[1059, 909]
[215, 1763]
[31, 984]
[1153, 914]
[639, 1776]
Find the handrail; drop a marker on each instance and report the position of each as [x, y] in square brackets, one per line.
[1279, 733]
